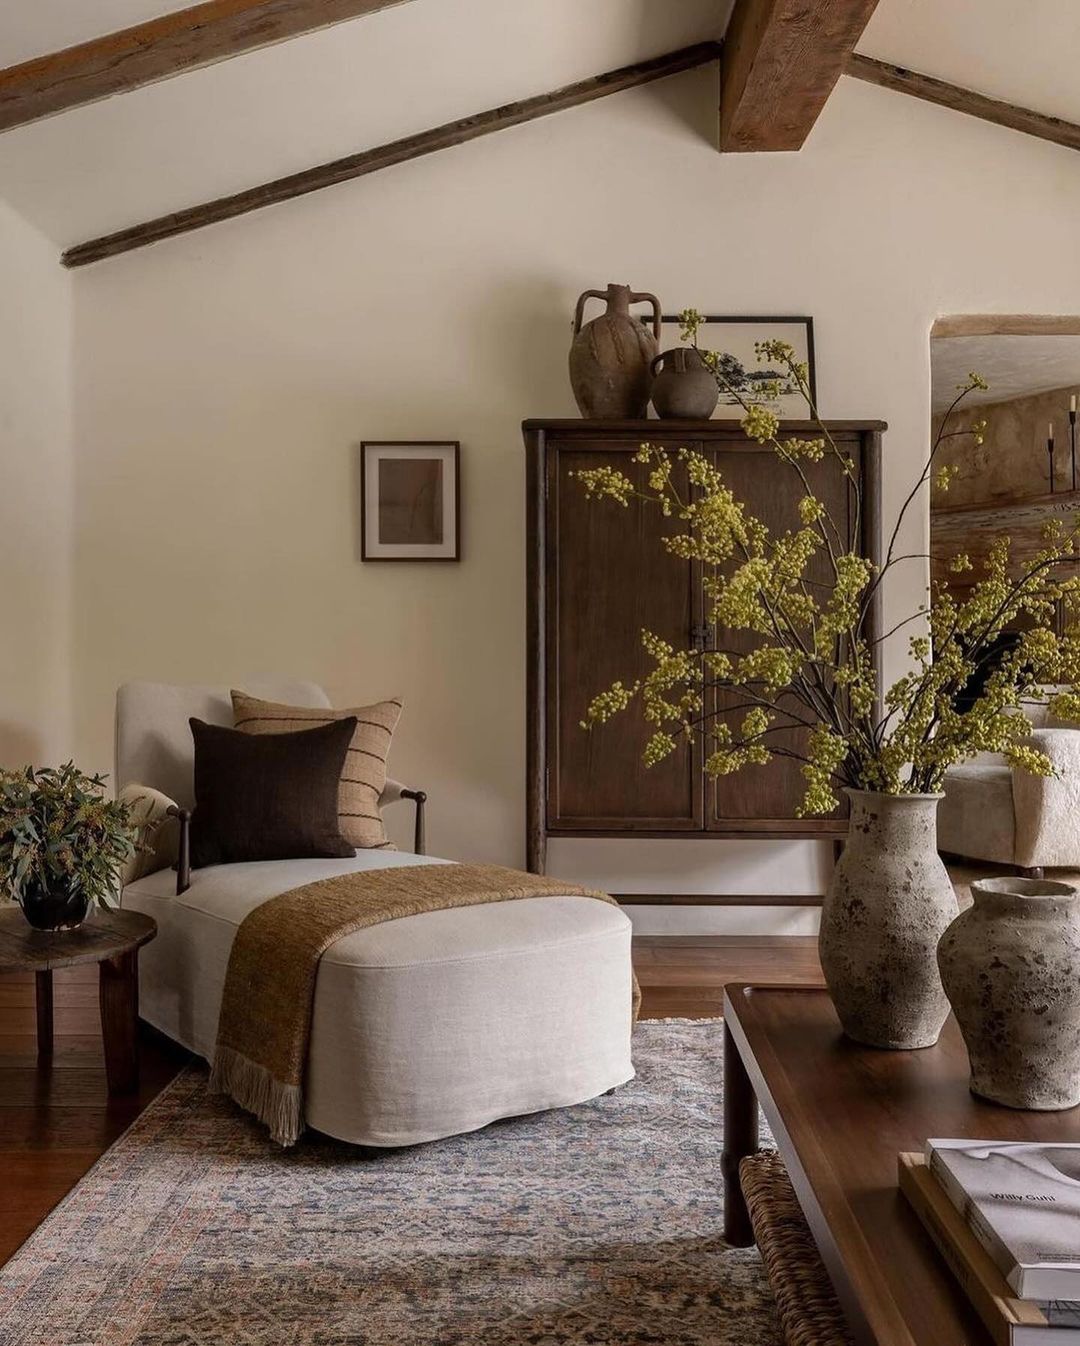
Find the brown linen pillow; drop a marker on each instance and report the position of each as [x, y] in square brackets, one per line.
[269, 798]
[364, 775]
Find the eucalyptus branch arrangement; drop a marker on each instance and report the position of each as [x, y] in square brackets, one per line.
[803, 602]
[59, 833]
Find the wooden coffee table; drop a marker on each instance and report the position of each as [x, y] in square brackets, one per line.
[109, 938]
[840, 1114]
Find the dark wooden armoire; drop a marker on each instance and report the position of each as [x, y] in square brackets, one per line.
[598, 574]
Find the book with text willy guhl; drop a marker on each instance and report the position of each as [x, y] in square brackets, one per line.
[1022, 1202]
[1010, 1321]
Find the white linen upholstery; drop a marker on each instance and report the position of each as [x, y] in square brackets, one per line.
[153, 738]
[1047, 808]
[423, 1027]
[975, 819]
[992, 812]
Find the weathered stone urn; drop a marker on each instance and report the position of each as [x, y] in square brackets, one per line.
[1011, 968]
[889, 902]
[611, 356]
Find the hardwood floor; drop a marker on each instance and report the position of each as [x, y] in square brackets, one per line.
[683, 976]
[56, 1119]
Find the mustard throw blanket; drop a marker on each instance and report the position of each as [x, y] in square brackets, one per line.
[266, 1008]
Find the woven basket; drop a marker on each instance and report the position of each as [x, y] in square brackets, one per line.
[805, 1303]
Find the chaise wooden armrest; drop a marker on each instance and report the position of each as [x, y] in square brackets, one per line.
[183, 855]
[391, 794]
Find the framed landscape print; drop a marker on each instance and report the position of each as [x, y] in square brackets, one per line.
[409, 500]
[734, 339]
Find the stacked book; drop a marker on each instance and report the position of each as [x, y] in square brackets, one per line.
[1006, 1217]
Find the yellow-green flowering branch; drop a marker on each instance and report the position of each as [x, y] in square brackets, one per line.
[808, 670]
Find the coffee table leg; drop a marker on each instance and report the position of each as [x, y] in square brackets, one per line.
[740, 1139]
[119, 996]
[43, 996]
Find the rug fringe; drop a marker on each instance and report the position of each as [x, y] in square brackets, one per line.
[279, 1106]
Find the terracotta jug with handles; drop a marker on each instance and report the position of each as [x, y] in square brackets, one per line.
[611, 356]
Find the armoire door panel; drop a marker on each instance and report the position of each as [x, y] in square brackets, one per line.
[609, 577]
[773, 791]
[597, 574]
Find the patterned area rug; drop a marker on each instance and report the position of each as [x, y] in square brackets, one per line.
[599, 1224]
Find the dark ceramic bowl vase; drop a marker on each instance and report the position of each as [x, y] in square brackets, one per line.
[62, 909]
[683, 386]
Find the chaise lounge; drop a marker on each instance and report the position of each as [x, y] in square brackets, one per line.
[423, 1027]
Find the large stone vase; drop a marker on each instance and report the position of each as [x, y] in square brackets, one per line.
[889, 902]
[1011, 968]
[611, 356]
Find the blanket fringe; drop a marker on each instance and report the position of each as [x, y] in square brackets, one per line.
[280, 1106]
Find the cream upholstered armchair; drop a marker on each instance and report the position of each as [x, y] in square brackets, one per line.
[991, 812]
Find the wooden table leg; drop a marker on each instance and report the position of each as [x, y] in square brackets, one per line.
[740, 1139]
[119, 996]
[43, 996]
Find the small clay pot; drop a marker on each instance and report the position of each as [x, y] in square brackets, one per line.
[685, 387]
[1010, 965]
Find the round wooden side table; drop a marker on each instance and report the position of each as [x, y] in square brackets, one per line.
[110, 938]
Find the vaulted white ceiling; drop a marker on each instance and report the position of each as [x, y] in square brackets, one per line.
[217, 130]
[1026, 53]
[30, 28]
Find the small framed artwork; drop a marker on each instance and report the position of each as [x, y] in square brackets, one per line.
[409, 500]
[734, 339]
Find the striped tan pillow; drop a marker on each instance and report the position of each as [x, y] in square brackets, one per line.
[364, 774]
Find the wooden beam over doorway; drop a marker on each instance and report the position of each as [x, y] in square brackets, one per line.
[397, 152]
[1005, 324]
[161, 47]
[782, 59]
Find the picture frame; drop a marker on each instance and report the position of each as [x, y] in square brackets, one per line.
[735, 335]
[410, 506]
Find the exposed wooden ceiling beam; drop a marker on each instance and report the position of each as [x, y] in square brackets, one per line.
[782, 59]
[965, 100]
[397, 152]
[201, 35]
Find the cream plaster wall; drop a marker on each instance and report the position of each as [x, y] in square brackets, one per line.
[224, 380]
[35, 497]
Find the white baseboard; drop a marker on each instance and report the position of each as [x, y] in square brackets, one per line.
[722, 920]
[688, 865]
